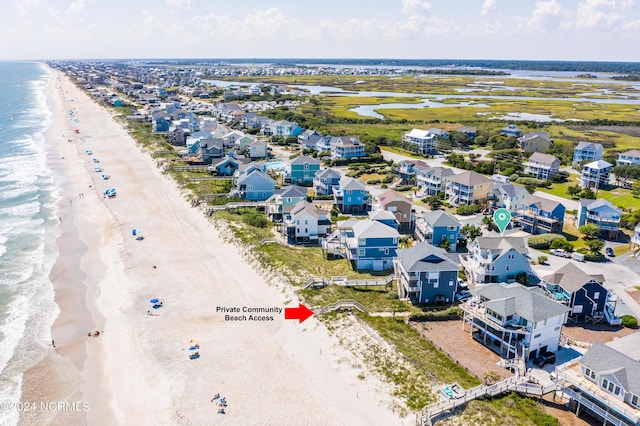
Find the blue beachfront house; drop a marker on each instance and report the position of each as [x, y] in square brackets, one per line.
[540, 216]
[495, 260]
[425, 274]
[600, 212]
[368, 244]
[325, 180]
[225, 167]
[351, 196]
[437, 226]
[253, 184]
[304, 169]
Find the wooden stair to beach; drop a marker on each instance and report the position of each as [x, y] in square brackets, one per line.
[347, 304]
[521, 385]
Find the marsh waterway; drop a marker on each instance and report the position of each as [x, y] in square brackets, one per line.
[435, 101]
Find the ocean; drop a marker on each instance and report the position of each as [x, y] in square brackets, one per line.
[28, 227]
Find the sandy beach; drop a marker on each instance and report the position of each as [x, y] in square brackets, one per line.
[138, 370]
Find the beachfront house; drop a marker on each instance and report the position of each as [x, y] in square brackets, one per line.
[368, 244]
[605, 381]
[602, 213]
[347, 147]
[584, 294]
[438, 226]
[595, 174]
[539, 215]
[629, 158]
[587, 151]
[306, 223]
[304, 169]
[258, 149]
[225, 167]
[324, 144]
[542, 166]
[399, 205]
[535, 142]
[507, 196]
[468, 188]
[497, 259]
[279, 205]
[160, 121]
[351, 196]
[210, 149]
[325, 180]
[432, 180]
[511, 130]
[254, 184]
[423, 141]
[425, 274]
[514, 320]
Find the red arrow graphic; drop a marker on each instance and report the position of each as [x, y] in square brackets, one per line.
[301, 313]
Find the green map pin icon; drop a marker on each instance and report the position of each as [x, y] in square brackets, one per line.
[502, 217]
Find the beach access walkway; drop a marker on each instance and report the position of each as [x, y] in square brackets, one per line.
[522, 385]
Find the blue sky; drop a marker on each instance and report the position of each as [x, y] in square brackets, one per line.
[599, 30]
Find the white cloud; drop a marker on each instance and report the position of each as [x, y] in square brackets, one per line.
[178, 3]
[488, 6]
[77, 6]
[593, 14]
[415, 6]
[548, 16]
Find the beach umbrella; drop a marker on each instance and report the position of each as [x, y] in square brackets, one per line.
[134, 232]
[154, 300]
[193, 348]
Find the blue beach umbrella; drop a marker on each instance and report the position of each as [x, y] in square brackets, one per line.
[154, 300]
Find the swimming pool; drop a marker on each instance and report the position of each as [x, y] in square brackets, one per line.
[277, 165]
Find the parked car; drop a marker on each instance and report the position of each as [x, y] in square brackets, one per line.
[463, 295]
[609, 252]
[544, 359]
[560, 252]
[462, 284]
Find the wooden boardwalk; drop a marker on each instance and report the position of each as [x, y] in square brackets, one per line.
[319, 282]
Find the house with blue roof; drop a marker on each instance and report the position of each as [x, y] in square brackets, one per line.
[254, 184]
[425, 274]
[304, 169]
[599, 212]
[351, 196]
[587, 151]
[436, 226]
[325, 180]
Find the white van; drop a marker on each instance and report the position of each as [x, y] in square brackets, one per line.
[578, 256]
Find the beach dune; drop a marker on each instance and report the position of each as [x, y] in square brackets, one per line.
[138, 370]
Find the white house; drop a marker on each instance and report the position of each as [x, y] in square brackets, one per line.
[514, 320]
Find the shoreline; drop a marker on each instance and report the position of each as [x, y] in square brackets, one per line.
[137, 370]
